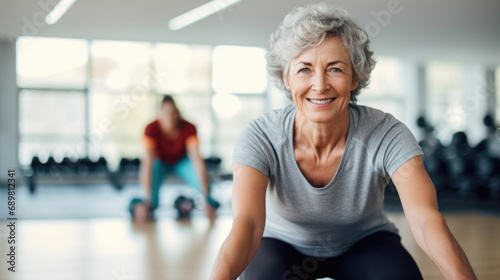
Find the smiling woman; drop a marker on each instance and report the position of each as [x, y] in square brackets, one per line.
[309, 180]
[321, 80]
[284, 46]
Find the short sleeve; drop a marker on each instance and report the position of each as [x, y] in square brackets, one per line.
[190, 130]
[400, 146]
[253, 149]
[149, 142]
[150, 130]
[192, 141]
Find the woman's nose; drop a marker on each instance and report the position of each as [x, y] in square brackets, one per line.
[320, 83]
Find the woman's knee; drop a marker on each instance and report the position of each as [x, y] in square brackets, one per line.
[379, 257]
[274, 260]
[270, 269]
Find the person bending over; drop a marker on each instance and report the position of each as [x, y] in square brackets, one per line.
[172, 147]
[309, 179]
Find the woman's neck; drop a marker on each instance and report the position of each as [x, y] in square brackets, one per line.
[170, 130]
[321, 138]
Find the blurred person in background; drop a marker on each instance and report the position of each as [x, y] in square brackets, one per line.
[172, 148]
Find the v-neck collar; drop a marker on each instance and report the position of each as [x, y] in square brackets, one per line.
[291, 152]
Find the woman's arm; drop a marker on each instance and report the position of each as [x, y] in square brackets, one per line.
[145, 172]
[249, 215]
[195, 157]
[428, 226]
[199, 164]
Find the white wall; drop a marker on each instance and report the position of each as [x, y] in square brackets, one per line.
[8, 111]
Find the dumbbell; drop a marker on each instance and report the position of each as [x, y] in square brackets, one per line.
[67, 166]
[486, 166]
[434, 165]
[122, 167]
[140, 210]
[83, 166]
[493, 185]
[100, 166]
[50, 165]
[184, 207]
[440, 182]
[136, 163]
[467, 186]
[36, 165]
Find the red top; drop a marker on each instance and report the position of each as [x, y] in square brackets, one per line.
[170, 150]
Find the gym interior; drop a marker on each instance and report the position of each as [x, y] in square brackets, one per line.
[77, 92]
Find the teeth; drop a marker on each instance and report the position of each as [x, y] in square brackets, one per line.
[321, 101]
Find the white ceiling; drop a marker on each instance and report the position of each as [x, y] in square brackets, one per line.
[462, 30]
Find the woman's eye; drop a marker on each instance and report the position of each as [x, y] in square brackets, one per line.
[334, 69]
[304, 70]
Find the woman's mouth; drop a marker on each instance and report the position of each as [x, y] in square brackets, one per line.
[321, 101]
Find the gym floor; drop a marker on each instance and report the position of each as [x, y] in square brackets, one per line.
[84, 232]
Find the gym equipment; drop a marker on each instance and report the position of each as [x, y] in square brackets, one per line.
[100, 166]
[486, 166]
[140, 210]
[129, 166]
[437, 170]
[36, 165]
[184, 207]
[50, 165]
[493, 185]
[460, 146]
[83, 166]
[136, 164]
[215, 204]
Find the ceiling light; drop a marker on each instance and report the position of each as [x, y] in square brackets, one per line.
[201, 12]
[59, 10]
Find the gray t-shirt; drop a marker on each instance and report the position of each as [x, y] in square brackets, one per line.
[327, 221]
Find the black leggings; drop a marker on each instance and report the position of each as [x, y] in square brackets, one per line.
[379, 256]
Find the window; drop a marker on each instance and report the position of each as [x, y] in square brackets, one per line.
[120, 99]
[182, 69]
[92, 99]
[239, 70]
[51, 123]
[386, 87]
[497, 87]
[230, 124]
[117, 122]
[52, 77]
[197, 110]
[51, 63]
[119, 66]
[239, 79]
[445, 90]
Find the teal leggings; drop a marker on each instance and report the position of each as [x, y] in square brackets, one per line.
[183, 168]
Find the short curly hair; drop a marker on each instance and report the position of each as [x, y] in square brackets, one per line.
[308, 26]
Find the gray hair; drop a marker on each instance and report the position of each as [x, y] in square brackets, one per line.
[308, 26]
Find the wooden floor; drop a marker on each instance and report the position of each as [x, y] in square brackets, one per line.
[116, 249]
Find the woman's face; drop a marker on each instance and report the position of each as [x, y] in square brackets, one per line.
[168, 115]
[320, 80]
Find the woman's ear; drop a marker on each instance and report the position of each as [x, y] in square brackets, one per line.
[285, 78]
[355, 82]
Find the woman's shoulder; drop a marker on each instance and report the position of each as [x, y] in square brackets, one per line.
[371, 124]
[275, 118]
[371, 117]
[272, 124]
[187, 127]
[186, 124]
[152, 128]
